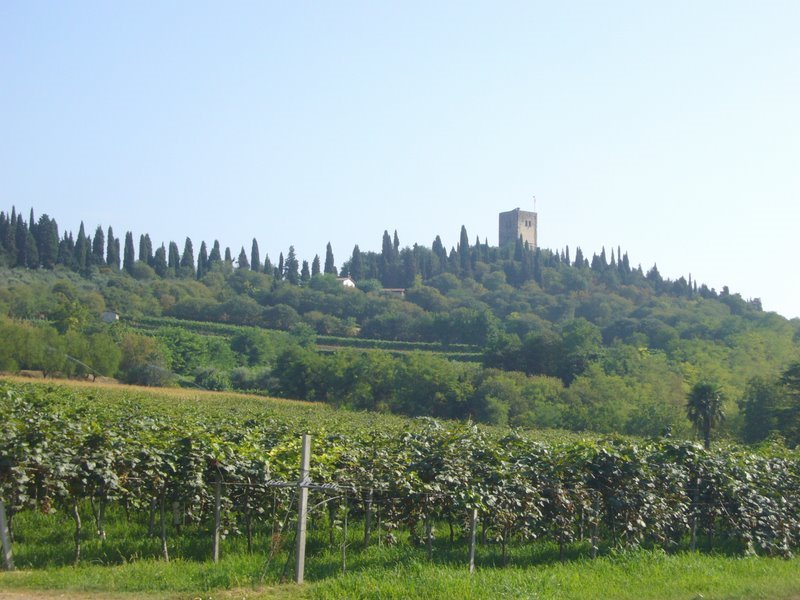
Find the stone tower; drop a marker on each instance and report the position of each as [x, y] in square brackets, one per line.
[515, 223]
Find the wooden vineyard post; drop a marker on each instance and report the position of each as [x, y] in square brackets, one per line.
[595, 522]
[429, 534]
[217, 519]
[367, 518]
[695, 508]
[302, 509]
[473, 530]
[344, 536]
[5, 536]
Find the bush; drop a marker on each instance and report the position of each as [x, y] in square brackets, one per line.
[212, 379]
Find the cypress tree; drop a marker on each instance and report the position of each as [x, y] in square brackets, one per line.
[330, 268]
[128, 256]
[315, 265]
[292, 267]
[242, 260]
[279, 269]
[98, 248]
[112, 250]
[160, 261]
[187, 260]
[387, 261]
[21, 241]
[438, 265]
[625, 264]
[66, 249]
[255, 256]
[10, 238]
[228, 257]
[268, 268]
[463, 251]
[3, 230]
[117, 253]
[81, 254]
[215, 256]
[202, 261]
[146, 249]
[173, 259]
[47, 232]
[304, 274]
[579, 257]
[356, 266]
[409, 267]
[34, 229]
[386, 248]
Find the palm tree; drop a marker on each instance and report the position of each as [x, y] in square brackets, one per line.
[704, 408]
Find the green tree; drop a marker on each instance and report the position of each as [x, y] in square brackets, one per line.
[98, 247]
[762, 407]
[356, 266]
[81, 253]
[215, 256]
[292, 267]
[315, 270]
[128, 257]
[255, 256]
[146, 249]
[704, 408]
[173, 259]
[187, 260]
[242, 260]
[202, 261]
[47, 240]
[10, 238]
[112, 250]
[330, 268]
[463, 251]
[279, 270]
[160, 261]
[142, 361]
[21, 242]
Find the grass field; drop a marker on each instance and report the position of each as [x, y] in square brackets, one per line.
[389, 574]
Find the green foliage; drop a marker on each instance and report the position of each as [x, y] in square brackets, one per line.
[704, 408]
[143, 361]
[66, 448]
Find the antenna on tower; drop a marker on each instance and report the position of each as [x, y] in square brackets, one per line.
[534, 204]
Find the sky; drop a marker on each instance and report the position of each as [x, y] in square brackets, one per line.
[669, 129]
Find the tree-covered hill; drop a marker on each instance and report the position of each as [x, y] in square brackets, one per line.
[529, 337]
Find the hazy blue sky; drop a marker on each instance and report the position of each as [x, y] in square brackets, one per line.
[671, 129]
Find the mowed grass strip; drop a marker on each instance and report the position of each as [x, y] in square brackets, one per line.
[635, 575]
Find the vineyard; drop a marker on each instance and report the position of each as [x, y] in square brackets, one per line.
[325, 343]
[227, 472]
